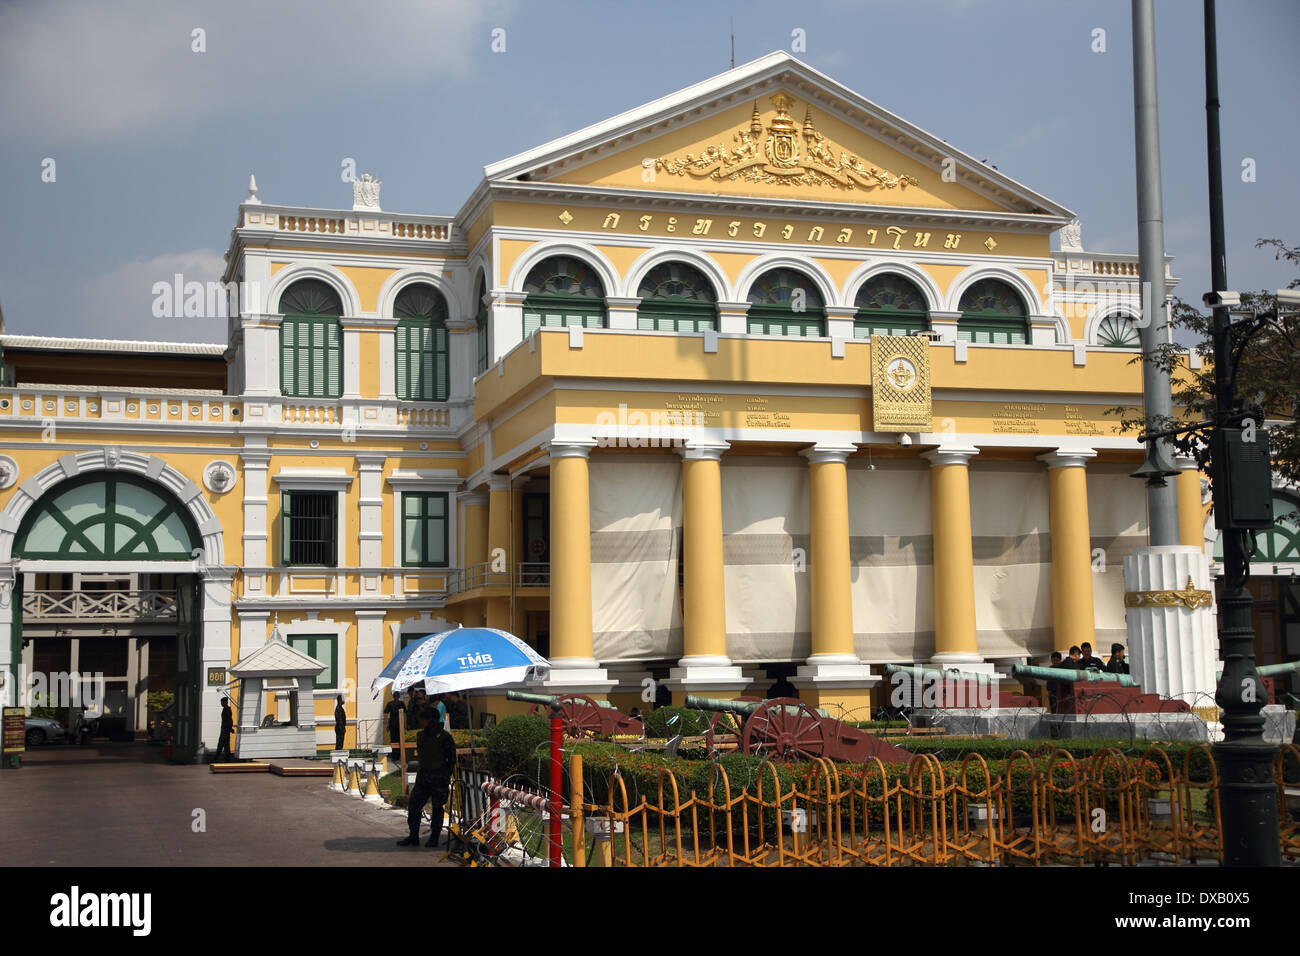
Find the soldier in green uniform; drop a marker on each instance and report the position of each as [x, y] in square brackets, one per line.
[437, 755]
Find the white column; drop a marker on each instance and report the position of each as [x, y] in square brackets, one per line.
[371, 507]
[261, 353]
[1174, 649]
[255, 462]
[507, 312]
[370, 660]
[945, 323]
[351, 361]
[839, 321]
[215, 649]
[732, 318]
[10, 670]
[462, 358]
[622, 312]
[387, 332]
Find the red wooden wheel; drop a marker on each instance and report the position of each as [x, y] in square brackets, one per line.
[785, 729]
[579, 715]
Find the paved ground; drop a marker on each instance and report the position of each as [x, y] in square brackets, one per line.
[123, 805]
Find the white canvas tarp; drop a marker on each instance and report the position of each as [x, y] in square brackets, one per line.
[635, 540]
[1117, 517]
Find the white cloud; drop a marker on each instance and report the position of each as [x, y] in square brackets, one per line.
[119, 303]
[85, 71]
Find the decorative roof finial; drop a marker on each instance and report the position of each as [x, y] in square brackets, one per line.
[252, 191]
[1072, 237]
[365, 193]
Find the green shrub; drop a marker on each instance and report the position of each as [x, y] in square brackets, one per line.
[670, 721]
[514, 740]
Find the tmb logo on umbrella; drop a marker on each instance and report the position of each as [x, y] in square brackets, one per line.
[463, 659]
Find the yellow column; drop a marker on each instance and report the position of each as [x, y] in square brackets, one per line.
[954, 563]
[499, 553]
[572, 658]
[704, 624]
[474, 520]
[1191, 513]
[1067, 486]
[704, 668]
[832, 606]
[833, 678]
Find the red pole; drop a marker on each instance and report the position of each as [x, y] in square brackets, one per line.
[557, 744]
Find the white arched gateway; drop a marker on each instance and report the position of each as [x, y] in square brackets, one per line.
[75, 539]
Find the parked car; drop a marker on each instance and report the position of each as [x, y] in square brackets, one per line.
[42, 730]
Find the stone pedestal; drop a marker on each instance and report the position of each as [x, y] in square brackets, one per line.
[1173, 647]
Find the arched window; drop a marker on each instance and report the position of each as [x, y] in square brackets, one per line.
[311, 341]
[563, 291]
[1117, 331]
[115, 518]
[481, 317]
[423, 367]
[992, 312]
[889, 304]
[785, 302]
[676, 297]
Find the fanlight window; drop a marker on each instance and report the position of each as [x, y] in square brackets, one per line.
[785, 302]
[1118, 332]
[889, 304]
[676, 297]
[563, 291]
[423, 365]
[107, 519]
[992, 312]
[311, 352]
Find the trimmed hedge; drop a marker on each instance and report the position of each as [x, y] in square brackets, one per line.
[670, 721]
[514, 740]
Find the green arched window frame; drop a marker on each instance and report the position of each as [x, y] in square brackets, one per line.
[311, 340]
[563, 291]
[992, 313]
[423, 362]
[1280, 543]
[107, 518]
[785, 302]
[1117, 331]
[481, 318]
[676, 297]
[889, 304]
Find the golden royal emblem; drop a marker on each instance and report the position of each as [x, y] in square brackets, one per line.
[900, 384]
[782, 153]
[1189, 597]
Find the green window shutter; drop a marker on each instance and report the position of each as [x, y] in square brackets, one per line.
[288, 345]
[441, 354]
[424, 529]
[402, 357]
[333, 360]
[286, 526]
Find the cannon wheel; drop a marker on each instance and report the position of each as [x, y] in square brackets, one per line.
[786, 729]
[723, 724]
[579, 715]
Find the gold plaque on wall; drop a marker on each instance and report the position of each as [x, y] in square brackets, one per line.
[900, 383]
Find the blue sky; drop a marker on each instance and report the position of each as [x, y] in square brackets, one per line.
[153, 143]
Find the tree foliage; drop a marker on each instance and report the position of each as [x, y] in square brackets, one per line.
[1267, 379]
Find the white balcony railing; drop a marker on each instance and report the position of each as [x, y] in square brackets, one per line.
[118, 606]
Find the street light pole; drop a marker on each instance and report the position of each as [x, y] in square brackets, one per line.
[1247, 792]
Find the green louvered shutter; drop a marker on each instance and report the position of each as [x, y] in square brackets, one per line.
[333, 360]
[310, 361]
[423, 359]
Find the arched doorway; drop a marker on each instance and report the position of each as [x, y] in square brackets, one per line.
[107, 604]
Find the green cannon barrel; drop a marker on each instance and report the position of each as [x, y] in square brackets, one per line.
[935, 674]
[1273, 670]
[745, 707]
[1071, 676]
[527, 698]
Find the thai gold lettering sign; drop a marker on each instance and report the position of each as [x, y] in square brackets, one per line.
[1189, 597]
[782, 153]
[900, 383]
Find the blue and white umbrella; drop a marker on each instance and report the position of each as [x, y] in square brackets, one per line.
[462, 659]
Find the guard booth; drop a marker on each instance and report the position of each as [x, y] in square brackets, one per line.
[288, 729]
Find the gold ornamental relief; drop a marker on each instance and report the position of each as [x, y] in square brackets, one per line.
[783, 153]
[1189, 597]
[900, 383]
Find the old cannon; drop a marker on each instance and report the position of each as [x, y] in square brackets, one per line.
[1269, 673]
[787, 729]
[1099, 692]
[582, 716]
[932, 687]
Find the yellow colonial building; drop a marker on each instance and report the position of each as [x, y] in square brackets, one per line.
[755, 382]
